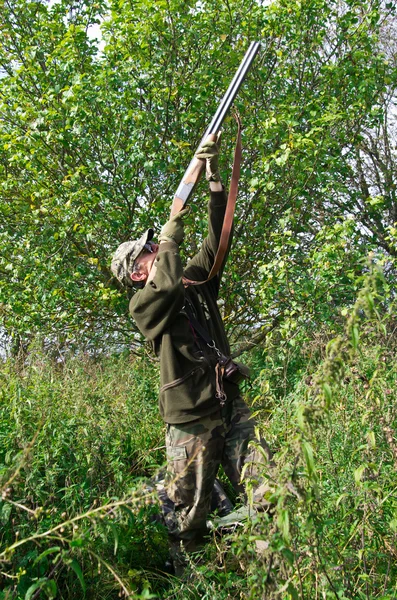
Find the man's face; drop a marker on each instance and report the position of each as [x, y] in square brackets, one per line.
[144, 262]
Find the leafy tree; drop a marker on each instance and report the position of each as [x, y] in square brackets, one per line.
[93, 145]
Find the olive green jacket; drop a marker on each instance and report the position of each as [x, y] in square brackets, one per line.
[187, 365]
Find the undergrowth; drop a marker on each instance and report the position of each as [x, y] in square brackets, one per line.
[332, 424]
[79, 442]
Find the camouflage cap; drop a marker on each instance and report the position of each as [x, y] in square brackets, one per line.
[125, 256]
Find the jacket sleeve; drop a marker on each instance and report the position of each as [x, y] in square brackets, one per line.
[199, 267]
[156, 306]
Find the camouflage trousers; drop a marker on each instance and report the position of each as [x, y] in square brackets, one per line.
[195, 451]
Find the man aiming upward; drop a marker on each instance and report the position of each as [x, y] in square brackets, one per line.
[207, 422]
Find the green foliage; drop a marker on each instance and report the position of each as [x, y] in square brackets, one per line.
[93, 145]
[334, 531]
[77, 436]
[76, 441]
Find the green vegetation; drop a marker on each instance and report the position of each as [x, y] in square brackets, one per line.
[81, 439]
[92, 147]
[76, 437]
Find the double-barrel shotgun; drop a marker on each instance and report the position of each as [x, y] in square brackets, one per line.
[197, 166]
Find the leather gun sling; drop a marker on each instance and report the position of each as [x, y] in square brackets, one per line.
[229, 212]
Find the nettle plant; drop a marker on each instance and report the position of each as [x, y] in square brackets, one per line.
[335, 525]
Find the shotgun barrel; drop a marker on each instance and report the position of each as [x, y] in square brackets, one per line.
[232, 91]
[197, 166]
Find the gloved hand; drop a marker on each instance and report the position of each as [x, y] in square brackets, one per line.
[209, 152]
[173, 230]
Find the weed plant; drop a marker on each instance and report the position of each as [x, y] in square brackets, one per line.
[79, 441]
[333, 426]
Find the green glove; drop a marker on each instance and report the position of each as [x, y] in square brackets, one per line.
[173, 230]
[209, 152]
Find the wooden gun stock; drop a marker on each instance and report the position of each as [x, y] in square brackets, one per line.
[189, 181]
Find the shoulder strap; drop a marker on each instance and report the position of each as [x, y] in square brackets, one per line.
[199, 329]
[229, 212]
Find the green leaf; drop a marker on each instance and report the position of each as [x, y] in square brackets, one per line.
[77, 542]
[371, 439]
[300, 415]
[289, 556]
[292, 592]
[128, 512]
[355, 337]
[370, 301]
[393, 525]
[359, 472]
[115, 532]
[309, 457]
[283, 524]
[51, 588]
[48, 586]
[340, 498]
[5, 514]
[46, 553]
[77, 569]
[327, 393]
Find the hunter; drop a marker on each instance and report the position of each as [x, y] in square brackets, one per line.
[208, 423]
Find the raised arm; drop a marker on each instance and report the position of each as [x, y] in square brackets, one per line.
[199, 267]
[156, 305]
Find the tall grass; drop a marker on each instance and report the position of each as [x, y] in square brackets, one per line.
[79, 440]
[334, 426]
[77, 443]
